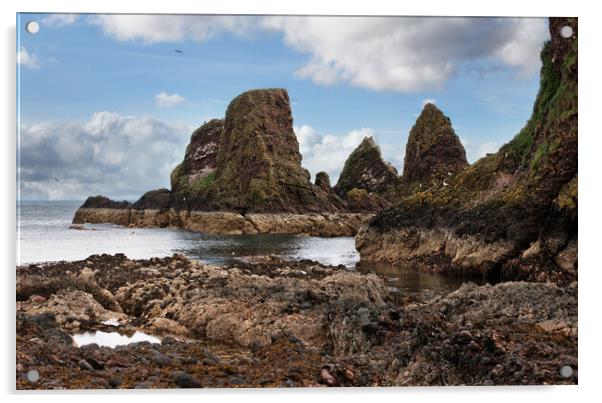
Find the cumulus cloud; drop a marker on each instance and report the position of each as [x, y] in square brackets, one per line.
[26, 59]
[407, 53]
[327, 152]
[59, 20]
[379, 53]
[165, 100]
[111, 154]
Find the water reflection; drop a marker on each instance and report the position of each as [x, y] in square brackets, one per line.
[229, 249]
[408, 279]
[44, 235]
[111, 339]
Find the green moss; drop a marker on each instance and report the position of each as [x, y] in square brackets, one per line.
[540, 153]
[203, 183]
[176, 174]
[567, 198]
[258, 192]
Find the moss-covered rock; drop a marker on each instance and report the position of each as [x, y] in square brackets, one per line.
[249, 162]
[521, 200]
[366, 169]
[191, 178]
[433, 150]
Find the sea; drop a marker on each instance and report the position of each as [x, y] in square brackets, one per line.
[43, 235]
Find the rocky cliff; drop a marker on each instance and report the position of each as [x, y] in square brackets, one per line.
[433, 150]
[512, 213]
[250, 162]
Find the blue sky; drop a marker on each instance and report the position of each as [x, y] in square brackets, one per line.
[107, 106]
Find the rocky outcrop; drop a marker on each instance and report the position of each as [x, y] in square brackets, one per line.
[366, 169]
[280, 323]
[255, 167]
[511, 214]
[249, 165]
[197, 170]
[223, 222]
[101, 202]
[433, 150]
[154, 200]
[367, 183]
[323, 181]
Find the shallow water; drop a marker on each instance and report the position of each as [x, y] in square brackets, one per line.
[406, 279]
[111, 339]
[44, 235]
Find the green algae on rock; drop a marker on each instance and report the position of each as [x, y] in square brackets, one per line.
[249, 162]
[507, 214]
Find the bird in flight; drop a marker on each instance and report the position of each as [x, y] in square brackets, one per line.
[56, 179]
[179, 51]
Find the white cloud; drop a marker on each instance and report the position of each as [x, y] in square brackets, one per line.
[26, 59]
[427, 101]
[407, 53]
[476, 151]
[165, 100]
[119, 156]
[522, 48]
[379, 53]
[59, 20]
[149, 28]
[327, 152]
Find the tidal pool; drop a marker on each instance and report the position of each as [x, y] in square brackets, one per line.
[111, 339]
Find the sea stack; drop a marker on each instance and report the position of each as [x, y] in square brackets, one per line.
[433, 150]
[366, 169]
[241, 175]
[250, 162]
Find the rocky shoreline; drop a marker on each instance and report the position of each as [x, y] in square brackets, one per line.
[278, 323]
[512, 213]
[228, 223]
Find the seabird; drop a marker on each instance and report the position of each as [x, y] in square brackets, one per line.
[179, 51]
[56, 179]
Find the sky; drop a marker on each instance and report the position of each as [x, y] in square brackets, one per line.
[107, 106]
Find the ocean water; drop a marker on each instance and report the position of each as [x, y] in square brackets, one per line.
[43, 235]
